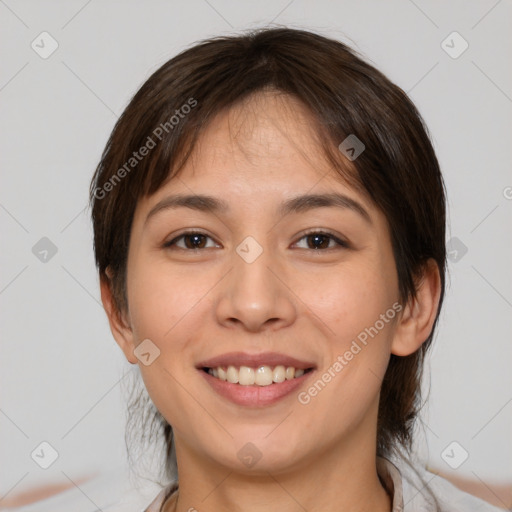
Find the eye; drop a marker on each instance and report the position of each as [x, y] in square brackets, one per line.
[192, 239]
[322, 240]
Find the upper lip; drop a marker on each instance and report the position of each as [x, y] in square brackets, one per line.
[255, 360]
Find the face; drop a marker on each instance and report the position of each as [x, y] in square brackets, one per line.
[313, 282]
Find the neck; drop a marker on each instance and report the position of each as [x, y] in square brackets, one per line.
[343, 478]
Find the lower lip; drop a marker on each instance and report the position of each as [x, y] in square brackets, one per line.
[254, 395]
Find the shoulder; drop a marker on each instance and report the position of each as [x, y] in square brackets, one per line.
[155, 505]
[424, 491]
[453, 499]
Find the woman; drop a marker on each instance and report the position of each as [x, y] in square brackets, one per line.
[269, 230]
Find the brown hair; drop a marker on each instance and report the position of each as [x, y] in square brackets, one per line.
[347, 96]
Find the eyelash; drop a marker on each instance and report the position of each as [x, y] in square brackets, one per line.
[341, 243]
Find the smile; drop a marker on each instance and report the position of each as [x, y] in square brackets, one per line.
[255, 395]
[263, 375]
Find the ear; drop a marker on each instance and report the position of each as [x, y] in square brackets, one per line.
[119, 325]
[415, 324]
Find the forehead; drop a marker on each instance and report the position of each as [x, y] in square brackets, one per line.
[268, 137]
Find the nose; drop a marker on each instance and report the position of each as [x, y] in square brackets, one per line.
[254, 295]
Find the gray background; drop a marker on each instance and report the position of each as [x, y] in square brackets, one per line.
[61, 373]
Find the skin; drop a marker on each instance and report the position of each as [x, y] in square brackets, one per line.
[295, 299]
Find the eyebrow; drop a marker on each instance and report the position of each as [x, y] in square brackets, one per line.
[298, 204]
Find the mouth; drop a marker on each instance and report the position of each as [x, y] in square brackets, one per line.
[255, 380]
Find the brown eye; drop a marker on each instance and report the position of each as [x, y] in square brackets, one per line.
[320, 240]
[192, 240]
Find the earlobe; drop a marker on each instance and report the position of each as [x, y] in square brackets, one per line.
[417, 319]
[119, 326]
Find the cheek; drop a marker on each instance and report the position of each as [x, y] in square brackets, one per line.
[164, 307]
[348, 300]
[355, 306]
[159, 299]
[356, 350]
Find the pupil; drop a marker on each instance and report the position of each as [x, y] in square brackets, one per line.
[316, 238]
[195, 239]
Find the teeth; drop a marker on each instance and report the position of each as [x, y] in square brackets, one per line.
[279, 374]
[290, 373]
[232, 375]
[245, 376]
[261, 376]
[221, 374]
